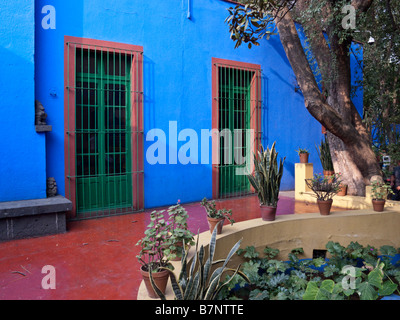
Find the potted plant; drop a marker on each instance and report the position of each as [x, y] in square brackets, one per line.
[214, 216]
[179, 233]
[266, 181]
[324, 188]
[324, 154]
[342, 190]
[152, 256]
[303, 155]
[379, 192]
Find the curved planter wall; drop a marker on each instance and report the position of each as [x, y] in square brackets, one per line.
[309, 231]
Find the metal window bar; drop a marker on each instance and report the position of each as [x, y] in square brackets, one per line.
[104, 174]
[239, 107]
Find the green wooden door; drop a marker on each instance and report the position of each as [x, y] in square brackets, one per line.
[103, 148]
[234, 115]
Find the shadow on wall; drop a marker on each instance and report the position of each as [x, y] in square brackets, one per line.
[51, 27]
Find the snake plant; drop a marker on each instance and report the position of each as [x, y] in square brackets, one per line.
[324, 154]
[267, 175]
[198, 283]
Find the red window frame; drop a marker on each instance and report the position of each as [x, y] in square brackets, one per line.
[255, 109]
[69, 114]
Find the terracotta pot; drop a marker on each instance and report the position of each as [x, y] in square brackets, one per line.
[328, 173]
[325, 206]
[267, 213]
[160, 279]
[304, 157]
[179, 255]
[343, 190]
[378, 205]
[212, 222]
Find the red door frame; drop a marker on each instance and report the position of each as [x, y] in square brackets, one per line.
[70, 44]
[255, 109]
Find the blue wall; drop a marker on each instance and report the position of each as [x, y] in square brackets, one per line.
[22, 158]
[177, 82]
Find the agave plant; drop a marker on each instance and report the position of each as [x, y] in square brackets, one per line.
[199, 283]
[266, 179]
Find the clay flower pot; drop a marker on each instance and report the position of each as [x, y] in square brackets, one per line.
[267, 213]
[343, 190]
[178, 252]
[324, 206]
[378, 204]
[304, 157]
[160, 279]
[212, 222]
[328, 173]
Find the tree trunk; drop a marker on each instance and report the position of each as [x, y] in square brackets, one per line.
[351, 146]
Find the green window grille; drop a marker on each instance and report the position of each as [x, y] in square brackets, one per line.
[238, 113]
[106, 179]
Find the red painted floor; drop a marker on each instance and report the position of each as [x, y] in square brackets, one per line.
[96, 259]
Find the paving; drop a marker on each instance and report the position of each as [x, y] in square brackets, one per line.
[96, 259]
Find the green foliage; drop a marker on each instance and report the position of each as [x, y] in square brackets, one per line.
[153, 243]
[316, 292]
[161, 238]
[317, 279]
[178, 232]
[301, 150]
[380, 82]
[251, 22]
[380, 190]
[212, 211]
[199, 283]
[267, 175]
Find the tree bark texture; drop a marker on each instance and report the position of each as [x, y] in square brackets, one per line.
[349, 139]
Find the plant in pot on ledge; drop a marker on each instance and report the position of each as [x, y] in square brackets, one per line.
[303, 155]
[214, 216]
[152, 256]
[266, 181]
[379, 193]
[324, 188]
[324, 154]
[178, 233]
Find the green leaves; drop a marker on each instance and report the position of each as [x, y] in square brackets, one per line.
[201, 283]
[340, 279]
[212, 211]
[253, 22]
[316, 292]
